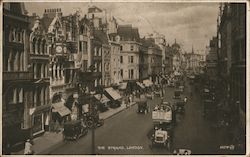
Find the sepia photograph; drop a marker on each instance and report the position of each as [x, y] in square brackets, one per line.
[124, 78]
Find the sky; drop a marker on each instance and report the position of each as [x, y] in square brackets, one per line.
[191, 24]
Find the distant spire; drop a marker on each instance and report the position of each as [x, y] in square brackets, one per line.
[175, 41]
[192, 49]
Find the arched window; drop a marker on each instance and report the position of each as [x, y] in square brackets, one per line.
[42, 70]
[45, 70]
[10, 34]
[38, 46]
[39, 70]
[44, 51]
[34, 46]
[13, 37]
[16, 62]
[34, 70]
[55, 71]
[100, 52]
[61, 70]
[20, 36]
[17, 35]
[20, 95]
[21, 61]
[10, 60]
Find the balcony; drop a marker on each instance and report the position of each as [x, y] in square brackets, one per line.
[89, 76]
[39, 56]
[17, 75]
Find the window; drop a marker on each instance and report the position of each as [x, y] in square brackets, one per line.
[95, 51]
[80, 46]
[85, 65]
[132, 48]
[131, 60]
[131, 73]
[121, 47]
[121, 59]
[100, 52]
[122, 73]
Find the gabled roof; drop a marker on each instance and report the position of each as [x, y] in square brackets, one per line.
[94, 9]
[46, 21]
[128, 33]
[53, 23]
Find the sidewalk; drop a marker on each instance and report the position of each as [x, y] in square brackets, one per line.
[51, 140]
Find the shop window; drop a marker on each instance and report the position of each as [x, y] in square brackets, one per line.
[37, 123]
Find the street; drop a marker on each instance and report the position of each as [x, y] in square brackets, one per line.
[128, 132]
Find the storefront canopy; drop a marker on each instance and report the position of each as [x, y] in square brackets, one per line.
[140, 85]
[147, 83]
[102, 98]
[123, 85]
[60, 108]
[113, 93]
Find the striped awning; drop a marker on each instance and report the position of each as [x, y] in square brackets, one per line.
[60, 108]
[113, 93]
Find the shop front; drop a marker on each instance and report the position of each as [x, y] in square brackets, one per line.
[60, 114]
[39, 120]
[114, 96]
[102, 102]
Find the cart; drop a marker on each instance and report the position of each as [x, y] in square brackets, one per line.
[74, 130]
[142, 106]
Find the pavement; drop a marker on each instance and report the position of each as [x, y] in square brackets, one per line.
[51, 140]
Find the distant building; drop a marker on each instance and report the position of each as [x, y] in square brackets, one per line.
[154, 56]
[114, 42]
[212, 59]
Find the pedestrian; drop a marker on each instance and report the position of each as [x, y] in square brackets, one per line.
[28, 150]
[130, 100]
[185, 99]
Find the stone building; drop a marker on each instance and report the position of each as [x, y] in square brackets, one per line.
[130, 46]
[18, 79]
[39, 60]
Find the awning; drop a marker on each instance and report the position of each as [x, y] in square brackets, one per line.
[147, 83]
[140, 85]
[60, 108]
[123, 85]
[113, 93]
[101, 98]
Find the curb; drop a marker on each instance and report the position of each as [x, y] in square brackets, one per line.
[61, 143]
[120, 111]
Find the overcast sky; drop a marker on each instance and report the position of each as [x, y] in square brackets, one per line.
[188, 23]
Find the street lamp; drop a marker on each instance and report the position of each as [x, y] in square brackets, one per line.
[93, 114]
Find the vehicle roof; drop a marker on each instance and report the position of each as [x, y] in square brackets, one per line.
[74, 122]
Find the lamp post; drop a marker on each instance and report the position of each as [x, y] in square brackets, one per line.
[93, 113]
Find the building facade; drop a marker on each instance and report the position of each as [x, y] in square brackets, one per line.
[130, 47]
